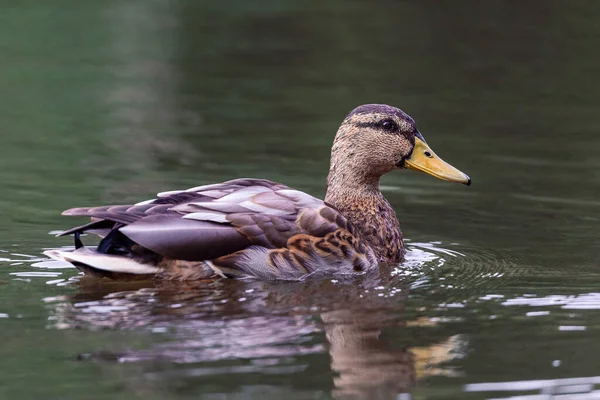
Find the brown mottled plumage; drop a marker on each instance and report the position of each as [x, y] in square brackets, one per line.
[262, 229]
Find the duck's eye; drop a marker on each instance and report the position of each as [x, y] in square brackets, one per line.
[389, 125]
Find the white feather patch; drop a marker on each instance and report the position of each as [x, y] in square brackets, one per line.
[145, 202]
[205, 187]
[104, 262]
[169, 193]
[243, 194]
[226, 208]
[207, 216]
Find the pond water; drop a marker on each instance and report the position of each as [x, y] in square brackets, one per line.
[114, 101]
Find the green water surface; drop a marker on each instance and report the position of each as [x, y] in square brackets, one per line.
[113, 101]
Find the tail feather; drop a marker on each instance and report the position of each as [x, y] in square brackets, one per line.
[99, 264]
[100, 228]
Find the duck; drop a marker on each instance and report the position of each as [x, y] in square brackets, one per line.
[251, 228]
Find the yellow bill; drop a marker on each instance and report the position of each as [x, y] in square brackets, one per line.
[425, 160]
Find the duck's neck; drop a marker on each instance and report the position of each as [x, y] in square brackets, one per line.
[357, 196]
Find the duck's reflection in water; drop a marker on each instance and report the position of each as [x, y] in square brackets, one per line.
[264, 328]
[364, 362]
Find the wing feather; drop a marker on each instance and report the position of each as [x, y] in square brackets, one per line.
[184, 239]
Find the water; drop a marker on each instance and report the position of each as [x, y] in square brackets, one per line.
[111, 102]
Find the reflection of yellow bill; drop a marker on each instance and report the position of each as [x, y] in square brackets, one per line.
[430, 360]
[425, 160]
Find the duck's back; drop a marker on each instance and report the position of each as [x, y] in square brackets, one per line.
[240, 228]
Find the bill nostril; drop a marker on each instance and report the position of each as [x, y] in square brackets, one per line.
[428, 154]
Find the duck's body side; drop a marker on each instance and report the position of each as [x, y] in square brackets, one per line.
[240, 228]
[266, 230]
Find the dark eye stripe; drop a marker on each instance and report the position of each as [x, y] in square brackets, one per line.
[366, 124]
[385, 125]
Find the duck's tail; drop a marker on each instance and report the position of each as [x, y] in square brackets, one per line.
[111, 266]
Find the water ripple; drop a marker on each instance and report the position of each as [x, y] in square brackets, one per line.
[584, 301]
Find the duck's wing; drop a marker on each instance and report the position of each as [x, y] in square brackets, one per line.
[245, 226]
[195, 224]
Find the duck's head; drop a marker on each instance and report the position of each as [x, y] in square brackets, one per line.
[376, 138]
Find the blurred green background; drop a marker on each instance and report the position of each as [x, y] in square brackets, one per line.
[113, 101]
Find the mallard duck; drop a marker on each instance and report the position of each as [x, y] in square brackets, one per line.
[256, 228]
